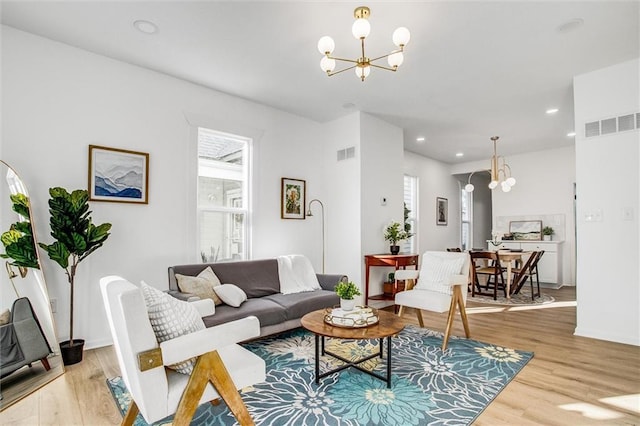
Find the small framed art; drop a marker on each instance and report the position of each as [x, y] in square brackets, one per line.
[442, 211]
[118, 175]
[293, 198]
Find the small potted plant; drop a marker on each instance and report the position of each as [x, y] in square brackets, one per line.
[76, 237]
[393, 233]
[547, 232]
[347, 291]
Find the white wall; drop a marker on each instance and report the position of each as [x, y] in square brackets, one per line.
[435, 179]
[381, 176]
[608, 185]
[57, 100]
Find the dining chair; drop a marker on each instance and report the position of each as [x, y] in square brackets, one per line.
[523, 274]
[221, 367]
[454, 249]
[487, 264]
[533, 270]
[437, 287]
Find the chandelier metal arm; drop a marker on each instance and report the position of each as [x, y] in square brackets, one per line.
[384, 68]
[353, 61]
[342, 70]
[387, 55]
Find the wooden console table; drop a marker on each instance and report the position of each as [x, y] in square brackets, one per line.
[396, 261]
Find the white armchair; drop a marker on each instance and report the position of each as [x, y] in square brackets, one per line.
[442, 287]
[222, 366]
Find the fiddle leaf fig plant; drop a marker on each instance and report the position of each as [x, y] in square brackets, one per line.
[76, 237]
[18, 240]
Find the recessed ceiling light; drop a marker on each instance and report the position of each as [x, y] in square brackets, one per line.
[570, 25]
[552, 110]
[146, 27]
[420, 139]
[459, 154]
[571, 134]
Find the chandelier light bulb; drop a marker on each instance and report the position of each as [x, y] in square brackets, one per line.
[395, 59]
[362, 72]
[361, 28]
[401, 37]
[326, 45]
[327, 64]
[469, 187]
[511, 181]
[493, 184]
[505, 187]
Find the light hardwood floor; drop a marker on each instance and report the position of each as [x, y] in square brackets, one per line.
[570, 381]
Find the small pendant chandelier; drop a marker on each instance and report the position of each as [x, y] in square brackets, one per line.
[500, 172]
[363, 64]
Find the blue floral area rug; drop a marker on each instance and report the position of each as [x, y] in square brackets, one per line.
[429, 386]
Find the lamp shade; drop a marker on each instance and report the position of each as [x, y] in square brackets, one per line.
[493, 184]
[505, 187]
[401, 36]
[469, 187]
[363, 72]
[326, 45]
[511, 181]
[395, 59]
[327, 64]
[361, 28]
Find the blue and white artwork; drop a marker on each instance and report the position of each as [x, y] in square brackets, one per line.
[118, 175]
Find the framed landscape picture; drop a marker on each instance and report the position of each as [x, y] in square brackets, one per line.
[293, 199]
[442, 211]
[118, 175]
[526, 229]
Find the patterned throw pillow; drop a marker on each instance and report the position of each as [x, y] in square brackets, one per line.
[5, 317]
[171, 318]
[201, 285]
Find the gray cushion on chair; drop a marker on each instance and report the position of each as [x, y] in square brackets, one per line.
[267, 311]
[298, 304]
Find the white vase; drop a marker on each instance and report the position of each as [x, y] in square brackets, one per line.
[347, 304]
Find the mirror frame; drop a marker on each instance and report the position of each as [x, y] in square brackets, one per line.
[28, 379]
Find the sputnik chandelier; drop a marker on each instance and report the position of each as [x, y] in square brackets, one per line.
[500, 172]
[363, 64]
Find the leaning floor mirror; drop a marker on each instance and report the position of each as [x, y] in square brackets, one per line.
[29, 352]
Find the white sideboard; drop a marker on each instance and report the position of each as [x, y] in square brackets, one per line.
[550, 265]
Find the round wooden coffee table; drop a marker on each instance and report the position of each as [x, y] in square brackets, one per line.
[388, 326]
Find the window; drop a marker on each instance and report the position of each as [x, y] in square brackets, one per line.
[410, 212]
[466, 203]
[223, 196]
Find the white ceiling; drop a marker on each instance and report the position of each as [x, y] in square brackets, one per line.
[472, 69]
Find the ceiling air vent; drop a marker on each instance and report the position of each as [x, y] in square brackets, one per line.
[592, 129]
[608, 126]
[625, 122]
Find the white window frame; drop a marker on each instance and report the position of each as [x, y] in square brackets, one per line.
[411, 245]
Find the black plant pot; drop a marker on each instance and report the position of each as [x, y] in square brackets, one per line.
[394, 249]
[72, 354]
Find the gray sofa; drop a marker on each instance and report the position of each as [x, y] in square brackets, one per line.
[260, 280]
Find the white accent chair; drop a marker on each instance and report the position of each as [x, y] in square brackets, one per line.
[158, 392]
[442, 287]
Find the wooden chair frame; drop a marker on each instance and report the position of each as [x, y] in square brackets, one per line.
[494, 269]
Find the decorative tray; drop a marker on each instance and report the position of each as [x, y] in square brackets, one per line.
[360, 316]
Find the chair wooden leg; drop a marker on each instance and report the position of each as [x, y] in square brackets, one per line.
[210, 368]
[219, 376]
[400, 310]
[45, 363]
[447, 332]
[419, 315]
[463, 313]
[130, 416]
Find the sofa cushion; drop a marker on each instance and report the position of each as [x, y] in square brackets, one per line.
[299, 304]
[267, 311]
[202, 285]
[257, 278]
[231, 294]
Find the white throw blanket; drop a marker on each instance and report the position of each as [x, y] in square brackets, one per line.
[296, 274]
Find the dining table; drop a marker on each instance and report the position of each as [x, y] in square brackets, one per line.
[509, 257]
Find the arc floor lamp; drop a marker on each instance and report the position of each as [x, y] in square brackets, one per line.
[309, 213]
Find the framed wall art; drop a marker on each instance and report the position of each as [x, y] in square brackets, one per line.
[118, 175]
[526, 229]
[293, 198]
[442, 211]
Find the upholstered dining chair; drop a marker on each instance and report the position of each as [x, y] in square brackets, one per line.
[222, 367]
[439, 286]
